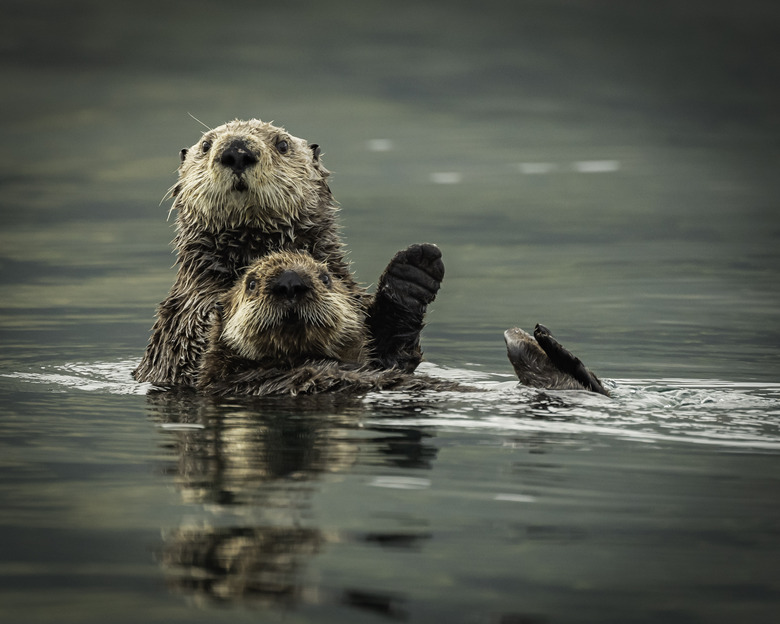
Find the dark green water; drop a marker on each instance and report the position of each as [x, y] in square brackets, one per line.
[609, 169]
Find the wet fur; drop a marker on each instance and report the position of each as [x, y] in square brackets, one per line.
[323, 321]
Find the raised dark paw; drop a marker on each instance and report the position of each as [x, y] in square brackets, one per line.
[396, 316]
[413, 276]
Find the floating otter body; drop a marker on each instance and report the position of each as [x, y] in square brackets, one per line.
[247, 189]
[290, 327]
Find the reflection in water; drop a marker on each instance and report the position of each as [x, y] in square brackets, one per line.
[257, 564]
[231, 450]
[251, 470]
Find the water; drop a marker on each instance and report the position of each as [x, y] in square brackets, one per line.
[658, 504]
[609, 171]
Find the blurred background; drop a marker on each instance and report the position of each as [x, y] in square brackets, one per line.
[607, 168]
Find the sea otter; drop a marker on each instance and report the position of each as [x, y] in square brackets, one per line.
[249, 188]
[290, 326]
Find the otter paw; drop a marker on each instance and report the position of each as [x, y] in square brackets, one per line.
[414, 275]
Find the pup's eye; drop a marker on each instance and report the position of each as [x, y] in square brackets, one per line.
[251, 285]
[205, 146]
[283, 147]
[325, 279]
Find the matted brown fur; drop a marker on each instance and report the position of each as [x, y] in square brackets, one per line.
[291, 327]
[245, 189]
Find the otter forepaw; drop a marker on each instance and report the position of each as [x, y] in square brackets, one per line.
[413, 276]
[396, 316]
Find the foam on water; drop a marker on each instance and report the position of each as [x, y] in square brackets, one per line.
[109, 377]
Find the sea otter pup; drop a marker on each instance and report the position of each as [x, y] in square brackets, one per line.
[248, 188]
[290, 326]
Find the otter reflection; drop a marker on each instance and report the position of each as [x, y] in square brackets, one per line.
[258, 564]
[248, 474]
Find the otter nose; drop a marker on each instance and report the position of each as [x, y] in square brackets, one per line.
[238, 157]
[289, 285]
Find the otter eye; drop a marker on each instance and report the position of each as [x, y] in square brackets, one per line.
[205, 146]
[325, 279]
[251, 285]
[283, 147]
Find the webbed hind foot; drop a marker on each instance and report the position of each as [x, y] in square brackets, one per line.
[541, 361]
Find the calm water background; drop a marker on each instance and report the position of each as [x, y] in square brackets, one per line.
[609, 169]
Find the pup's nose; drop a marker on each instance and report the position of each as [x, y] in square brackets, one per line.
[289, 285]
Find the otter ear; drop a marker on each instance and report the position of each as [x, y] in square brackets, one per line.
[316, 151]
[183, 153]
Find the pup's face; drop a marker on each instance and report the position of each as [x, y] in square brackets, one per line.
[289, 308]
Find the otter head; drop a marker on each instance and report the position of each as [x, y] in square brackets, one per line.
[250, 174]
[288, 308]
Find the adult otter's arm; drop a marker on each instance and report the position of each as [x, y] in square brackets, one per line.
[178, 337]
[396, 315]
[541, 361]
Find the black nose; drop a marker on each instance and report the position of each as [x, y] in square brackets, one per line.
[238, 157]
[289, 285]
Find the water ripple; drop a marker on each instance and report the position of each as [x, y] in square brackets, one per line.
[732, 415]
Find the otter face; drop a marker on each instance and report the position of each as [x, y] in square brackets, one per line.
[249, 173]
[289, 308]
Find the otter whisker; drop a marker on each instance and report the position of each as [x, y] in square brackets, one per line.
[199, 121]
